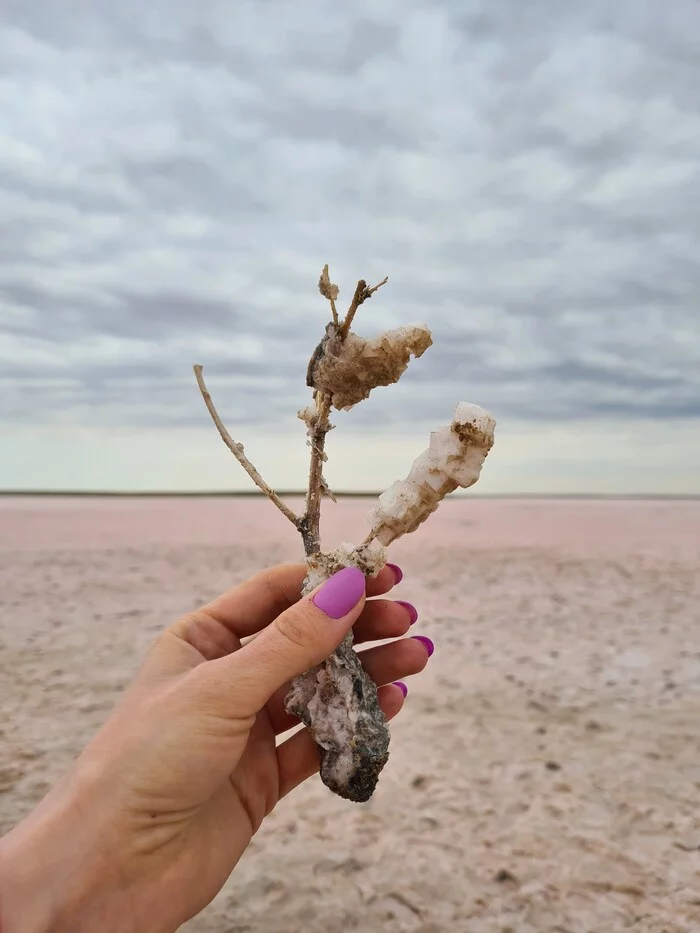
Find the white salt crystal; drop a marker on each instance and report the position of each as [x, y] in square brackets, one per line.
[454, 458]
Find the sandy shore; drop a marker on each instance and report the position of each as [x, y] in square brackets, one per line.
[545, 773]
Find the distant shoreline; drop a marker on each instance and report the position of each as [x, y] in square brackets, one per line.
[296, 494]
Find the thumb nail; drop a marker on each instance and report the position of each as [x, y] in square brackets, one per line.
[341, 592]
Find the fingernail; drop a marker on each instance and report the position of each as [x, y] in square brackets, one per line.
[398, 572]
[402, 687]
[412, 611]
[429, 646]
[341, 592]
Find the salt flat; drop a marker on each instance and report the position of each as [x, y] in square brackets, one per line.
[545, 771]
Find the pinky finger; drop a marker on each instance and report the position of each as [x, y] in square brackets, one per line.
[297, 758]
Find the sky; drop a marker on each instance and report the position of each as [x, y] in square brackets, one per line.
[174, 175]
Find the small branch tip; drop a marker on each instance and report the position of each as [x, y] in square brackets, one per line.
[362, 293]
[329, 291]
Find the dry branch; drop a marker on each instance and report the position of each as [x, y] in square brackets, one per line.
[238, 451]
[337, 700]
[310, 523]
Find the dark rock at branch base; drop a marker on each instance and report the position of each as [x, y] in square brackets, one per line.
[338, 703]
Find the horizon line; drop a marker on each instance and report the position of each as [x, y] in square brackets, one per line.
[300, 494]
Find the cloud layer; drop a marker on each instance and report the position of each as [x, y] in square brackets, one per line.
[174, 175]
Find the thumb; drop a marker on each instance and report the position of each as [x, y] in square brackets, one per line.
[299, 638]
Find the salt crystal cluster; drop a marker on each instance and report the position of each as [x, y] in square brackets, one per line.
[369, 558]
[338, 702]
[454, 458]
[348, 368]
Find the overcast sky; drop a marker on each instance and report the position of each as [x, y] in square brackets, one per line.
[173, 175]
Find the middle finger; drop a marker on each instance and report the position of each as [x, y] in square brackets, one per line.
[384, 618]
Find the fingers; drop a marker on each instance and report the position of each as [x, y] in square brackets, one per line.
[386, 580]
[385, 664]
[239, 685]
[297, 758]
[217, 628]
[384, 618]
[253, 605]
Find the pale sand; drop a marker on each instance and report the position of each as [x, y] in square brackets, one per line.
[553, 742]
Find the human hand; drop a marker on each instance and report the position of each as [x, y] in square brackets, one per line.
[147, 826]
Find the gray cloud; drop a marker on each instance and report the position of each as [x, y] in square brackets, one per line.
[172, 178]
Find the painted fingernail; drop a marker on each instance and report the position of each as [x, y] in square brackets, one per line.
[398, 572]
[341, 592]
[429, 646]
[412, 611]
[402, 687]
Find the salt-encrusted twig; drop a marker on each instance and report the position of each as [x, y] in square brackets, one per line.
[453, 459]
[310, 522]
[329, 351]
[317, 419]
[238, 452]
[337, 700]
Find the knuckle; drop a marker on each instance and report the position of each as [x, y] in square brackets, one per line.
[297, 626]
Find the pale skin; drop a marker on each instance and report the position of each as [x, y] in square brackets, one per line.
[144, 830]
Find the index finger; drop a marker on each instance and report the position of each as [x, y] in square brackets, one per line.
[254, 604]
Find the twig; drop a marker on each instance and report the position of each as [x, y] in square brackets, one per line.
[362, 293]
[238, 452]
[329, 291]
[310, 524]
[327, 491]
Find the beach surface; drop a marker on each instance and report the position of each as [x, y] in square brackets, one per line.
[544, 772]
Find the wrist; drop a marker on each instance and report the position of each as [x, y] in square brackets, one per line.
[54, 877]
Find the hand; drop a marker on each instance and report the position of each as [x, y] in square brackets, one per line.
[159, 807]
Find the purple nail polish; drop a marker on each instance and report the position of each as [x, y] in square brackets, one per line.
[341, 592]
[398, 572]
[402, 687]
[412, 611]
[429, 646]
